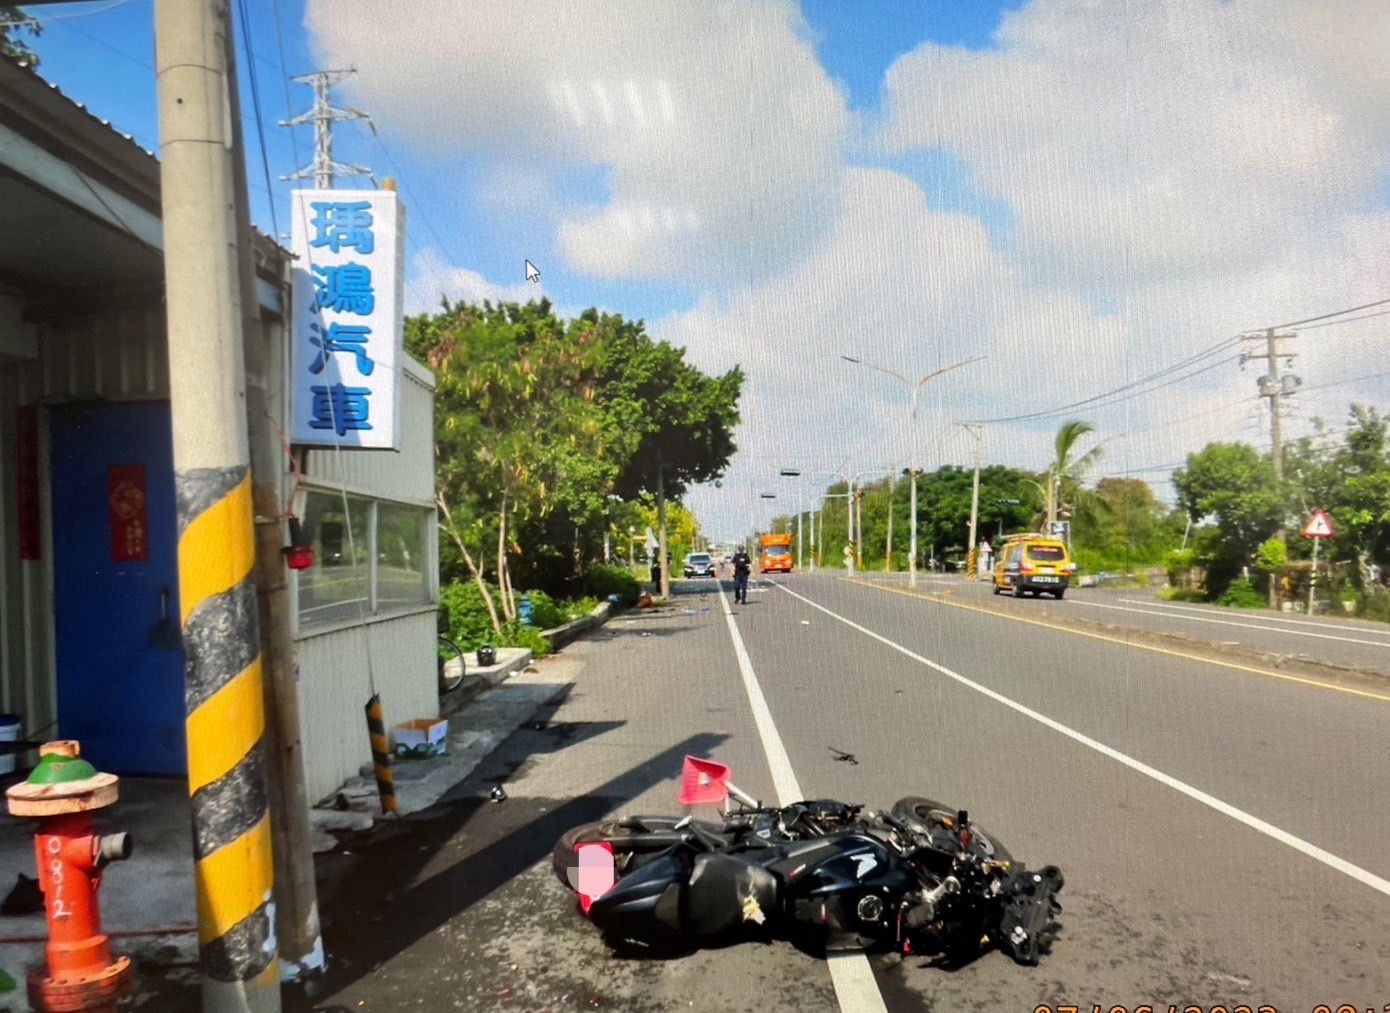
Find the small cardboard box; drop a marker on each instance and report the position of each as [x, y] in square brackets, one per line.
[422, 737]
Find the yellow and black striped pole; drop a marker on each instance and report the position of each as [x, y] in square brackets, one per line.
[217, 597]
[381, 754]
[225, 725]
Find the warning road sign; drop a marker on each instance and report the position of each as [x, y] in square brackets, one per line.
[1318, 526]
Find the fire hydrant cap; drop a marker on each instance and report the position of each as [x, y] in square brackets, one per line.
[57, 769]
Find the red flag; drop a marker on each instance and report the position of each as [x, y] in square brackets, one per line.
[703, 781]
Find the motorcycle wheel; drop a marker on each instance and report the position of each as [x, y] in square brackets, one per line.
[919, 808]
[627, 851]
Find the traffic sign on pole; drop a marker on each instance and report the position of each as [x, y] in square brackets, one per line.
[1318, 526]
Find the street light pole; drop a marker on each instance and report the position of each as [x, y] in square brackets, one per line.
[913, 390]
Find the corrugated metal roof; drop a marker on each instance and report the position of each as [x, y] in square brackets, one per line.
[110, 129]
[31, 72]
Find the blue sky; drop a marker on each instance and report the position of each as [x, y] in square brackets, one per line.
[103, 57]
[1083, 195]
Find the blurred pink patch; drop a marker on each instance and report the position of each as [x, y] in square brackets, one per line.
[595, 872]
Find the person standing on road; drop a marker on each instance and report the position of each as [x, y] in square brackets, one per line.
[743, 566]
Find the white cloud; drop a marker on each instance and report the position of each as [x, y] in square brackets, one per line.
[432, 277]
[1138, 142]
[719, 135]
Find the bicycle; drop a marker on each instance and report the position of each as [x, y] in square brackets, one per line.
[451, 666]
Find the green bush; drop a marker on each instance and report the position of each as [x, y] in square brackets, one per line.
[1178, 562]
[546, 613]
[465, 621]
[1240, 593]
[1376, 605]
[600, 581]
[1273, 555]
[1181, 594]
[577, 608]
[464, 617]
[516, 635]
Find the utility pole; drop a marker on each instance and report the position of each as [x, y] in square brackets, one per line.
[323, 114]
[297, 931]
[888, 550]
[974, 430]
[233, 867]
[1275, 386]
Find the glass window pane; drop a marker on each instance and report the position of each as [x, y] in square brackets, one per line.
[400, 559]
[335, 587]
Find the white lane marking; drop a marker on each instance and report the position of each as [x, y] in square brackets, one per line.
[1357, 873]
[855, 988]
[1262, 618]
[1231, 622]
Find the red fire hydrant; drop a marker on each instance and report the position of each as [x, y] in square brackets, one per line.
[62, 792]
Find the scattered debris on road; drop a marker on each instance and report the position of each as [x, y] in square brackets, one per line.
[842, 756]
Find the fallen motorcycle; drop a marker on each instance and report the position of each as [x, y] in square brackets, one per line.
[918, 878]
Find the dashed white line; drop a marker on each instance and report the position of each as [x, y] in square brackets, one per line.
[1363, 876]
[855, 988]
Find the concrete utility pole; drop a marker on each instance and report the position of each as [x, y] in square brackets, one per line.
[888, 550]
[297, 930]
[323, 115]
[1274, 386]
[216, 548]
[974, 430]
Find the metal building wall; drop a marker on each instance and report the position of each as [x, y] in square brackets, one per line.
[117, 355]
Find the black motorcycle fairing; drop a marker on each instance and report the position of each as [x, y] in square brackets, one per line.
[725, 893]
[649, 903]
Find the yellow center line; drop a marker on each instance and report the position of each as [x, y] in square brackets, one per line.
[940, 600]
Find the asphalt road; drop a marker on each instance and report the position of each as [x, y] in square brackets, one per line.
[1337, 640]
[1223, 831]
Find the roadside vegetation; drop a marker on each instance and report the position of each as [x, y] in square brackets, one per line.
[1233, 537]
[553, 440]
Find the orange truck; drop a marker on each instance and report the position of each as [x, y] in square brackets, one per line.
[776, 553]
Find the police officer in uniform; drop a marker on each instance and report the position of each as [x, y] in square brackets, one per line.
[743, 566]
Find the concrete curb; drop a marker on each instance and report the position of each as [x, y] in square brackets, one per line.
[563, 634]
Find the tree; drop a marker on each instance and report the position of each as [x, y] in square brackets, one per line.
[15, 24]
[1065, 473]
[1234, 484]
[679, 421]
[1351, 482]
[520, 448]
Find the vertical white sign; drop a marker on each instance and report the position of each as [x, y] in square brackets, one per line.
[346, 329]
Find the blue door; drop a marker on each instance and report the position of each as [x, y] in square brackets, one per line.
[115, 595]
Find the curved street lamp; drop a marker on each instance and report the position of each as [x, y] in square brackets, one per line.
[913, 390]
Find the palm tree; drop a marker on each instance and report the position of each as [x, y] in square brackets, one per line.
[1065, 473]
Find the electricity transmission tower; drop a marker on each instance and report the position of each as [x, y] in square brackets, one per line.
[323, 115]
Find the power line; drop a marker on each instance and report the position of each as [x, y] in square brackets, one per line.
[1100, 400]
[256, 106]
[1324, 316]
[31, 19]
[1349, 320]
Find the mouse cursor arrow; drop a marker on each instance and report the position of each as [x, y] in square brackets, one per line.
[532, 272]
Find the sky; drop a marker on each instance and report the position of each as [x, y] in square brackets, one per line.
[1083, 193]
